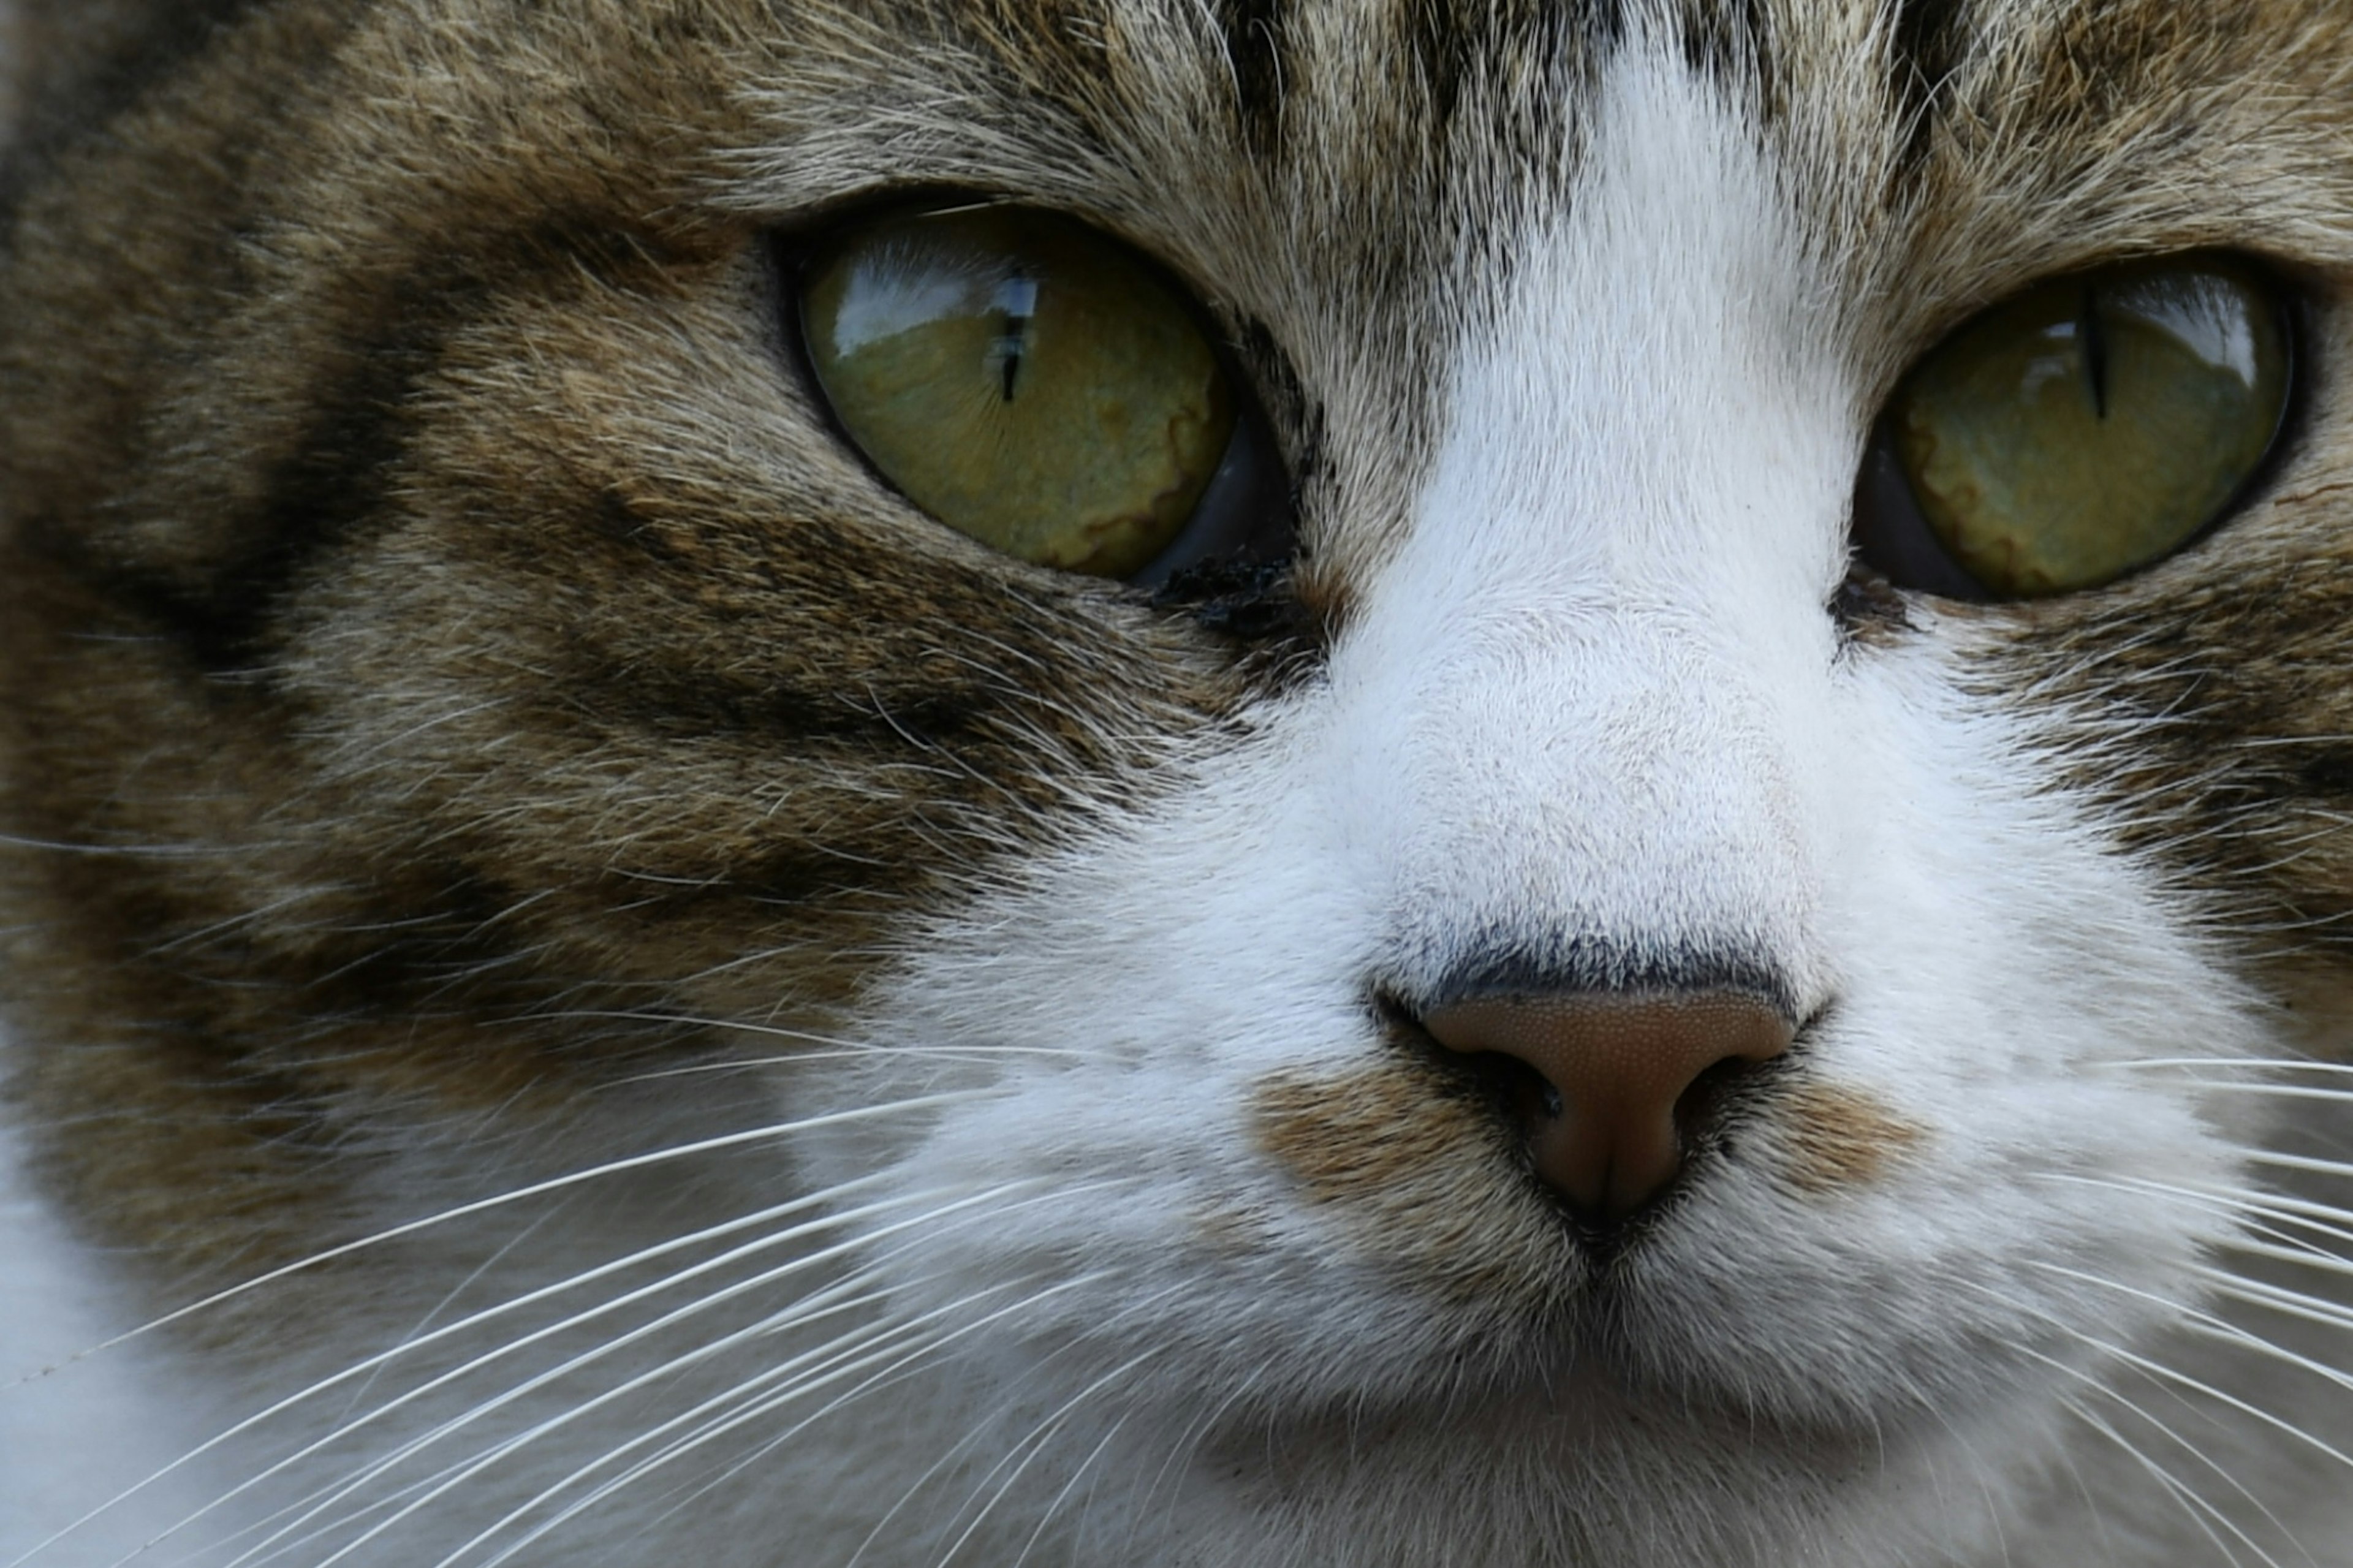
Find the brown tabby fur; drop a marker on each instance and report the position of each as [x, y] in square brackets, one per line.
[470, 408]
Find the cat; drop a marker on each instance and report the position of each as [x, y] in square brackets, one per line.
[1210, 783]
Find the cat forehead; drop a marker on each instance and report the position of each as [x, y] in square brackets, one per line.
[1341, 107]
[1366, 181]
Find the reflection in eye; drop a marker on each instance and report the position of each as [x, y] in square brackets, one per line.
[2090, 425]
[1016, 302]
[1024, 380]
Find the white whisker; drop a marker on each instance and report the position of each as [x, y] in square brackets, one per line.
[2275, 1091]
[312, 1507]
[2318, 1218]
[2160, 1426]
[1035, 1441]
[2244, 1063]
[837, 1046]
[1195, 1433]
[643, 1331]
[2150, 1372]
[375, 1363]
[2302, 1253]
[1079, 1473]
[959, 1333]
[813, 1308]
[980, 1428]
[771, 1401]
[960, 1054]
[810, 1372]
[2215, 1327]
[2291, 1303]
[418, 1337]
[538, 1189]
[2198, 1510]
[2304, 1163]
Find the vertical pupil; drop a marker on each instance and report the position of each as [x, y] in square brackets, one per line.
[2095, 349]
[1016, 302]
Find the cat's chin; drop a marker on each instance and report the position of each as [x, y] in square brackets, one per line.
[1576, 1467]
[1576, 1414]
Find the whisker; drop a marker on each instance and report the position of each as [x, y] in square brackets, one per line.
[372, 1364]
[770, 1403]
[813, 1308]
[1197, 1432]
[809, 1372]
[2290, 1303]
[777, 1031]
[2275, 1091]
[2216, 1327]
[892, 1374]
[642, 1332]
[703, 1353]
[1038, 1438]
[908, 1365]
[2247, 1064]
[2302, 1253]
[809, 1309]
[126, 851]
[858, 1053]
[414, 1337]
[2279, 1206]
[2198, 1510]
[2149, 1372]
[752, 1385]
[1077, 1474]
[2304, 1163]
[2261, 1238]
[980, 1428]
[537, 1189]
[2162, 1427]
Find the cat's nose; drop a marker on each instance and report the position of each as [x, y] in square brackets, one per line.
[1617, 1069]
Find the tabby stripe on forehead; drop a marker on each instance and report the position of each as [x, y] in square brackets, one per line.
[1732, 41]
[1254, 46]
[1927, 41]
[1456, 51]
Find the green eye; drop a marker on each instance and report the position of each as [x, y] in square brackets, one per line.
[1024, 380]
[2090, 425]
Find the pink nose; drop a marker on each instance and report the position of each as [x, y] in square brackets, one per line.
[1620, 1066]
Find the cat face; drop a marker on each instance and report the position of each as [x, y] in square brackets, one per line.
[1140, 1069]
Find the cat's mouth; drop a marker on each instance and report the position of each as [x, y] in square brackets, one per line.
[1572, 1404]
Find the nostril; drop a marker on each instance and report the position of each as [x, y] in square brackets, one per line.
[1524, 1096]
[1701, 1105]
[1610, 1088]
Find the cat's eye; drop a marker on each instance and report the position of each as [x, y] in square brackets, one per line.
[1031, 383]
[2086, 428]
